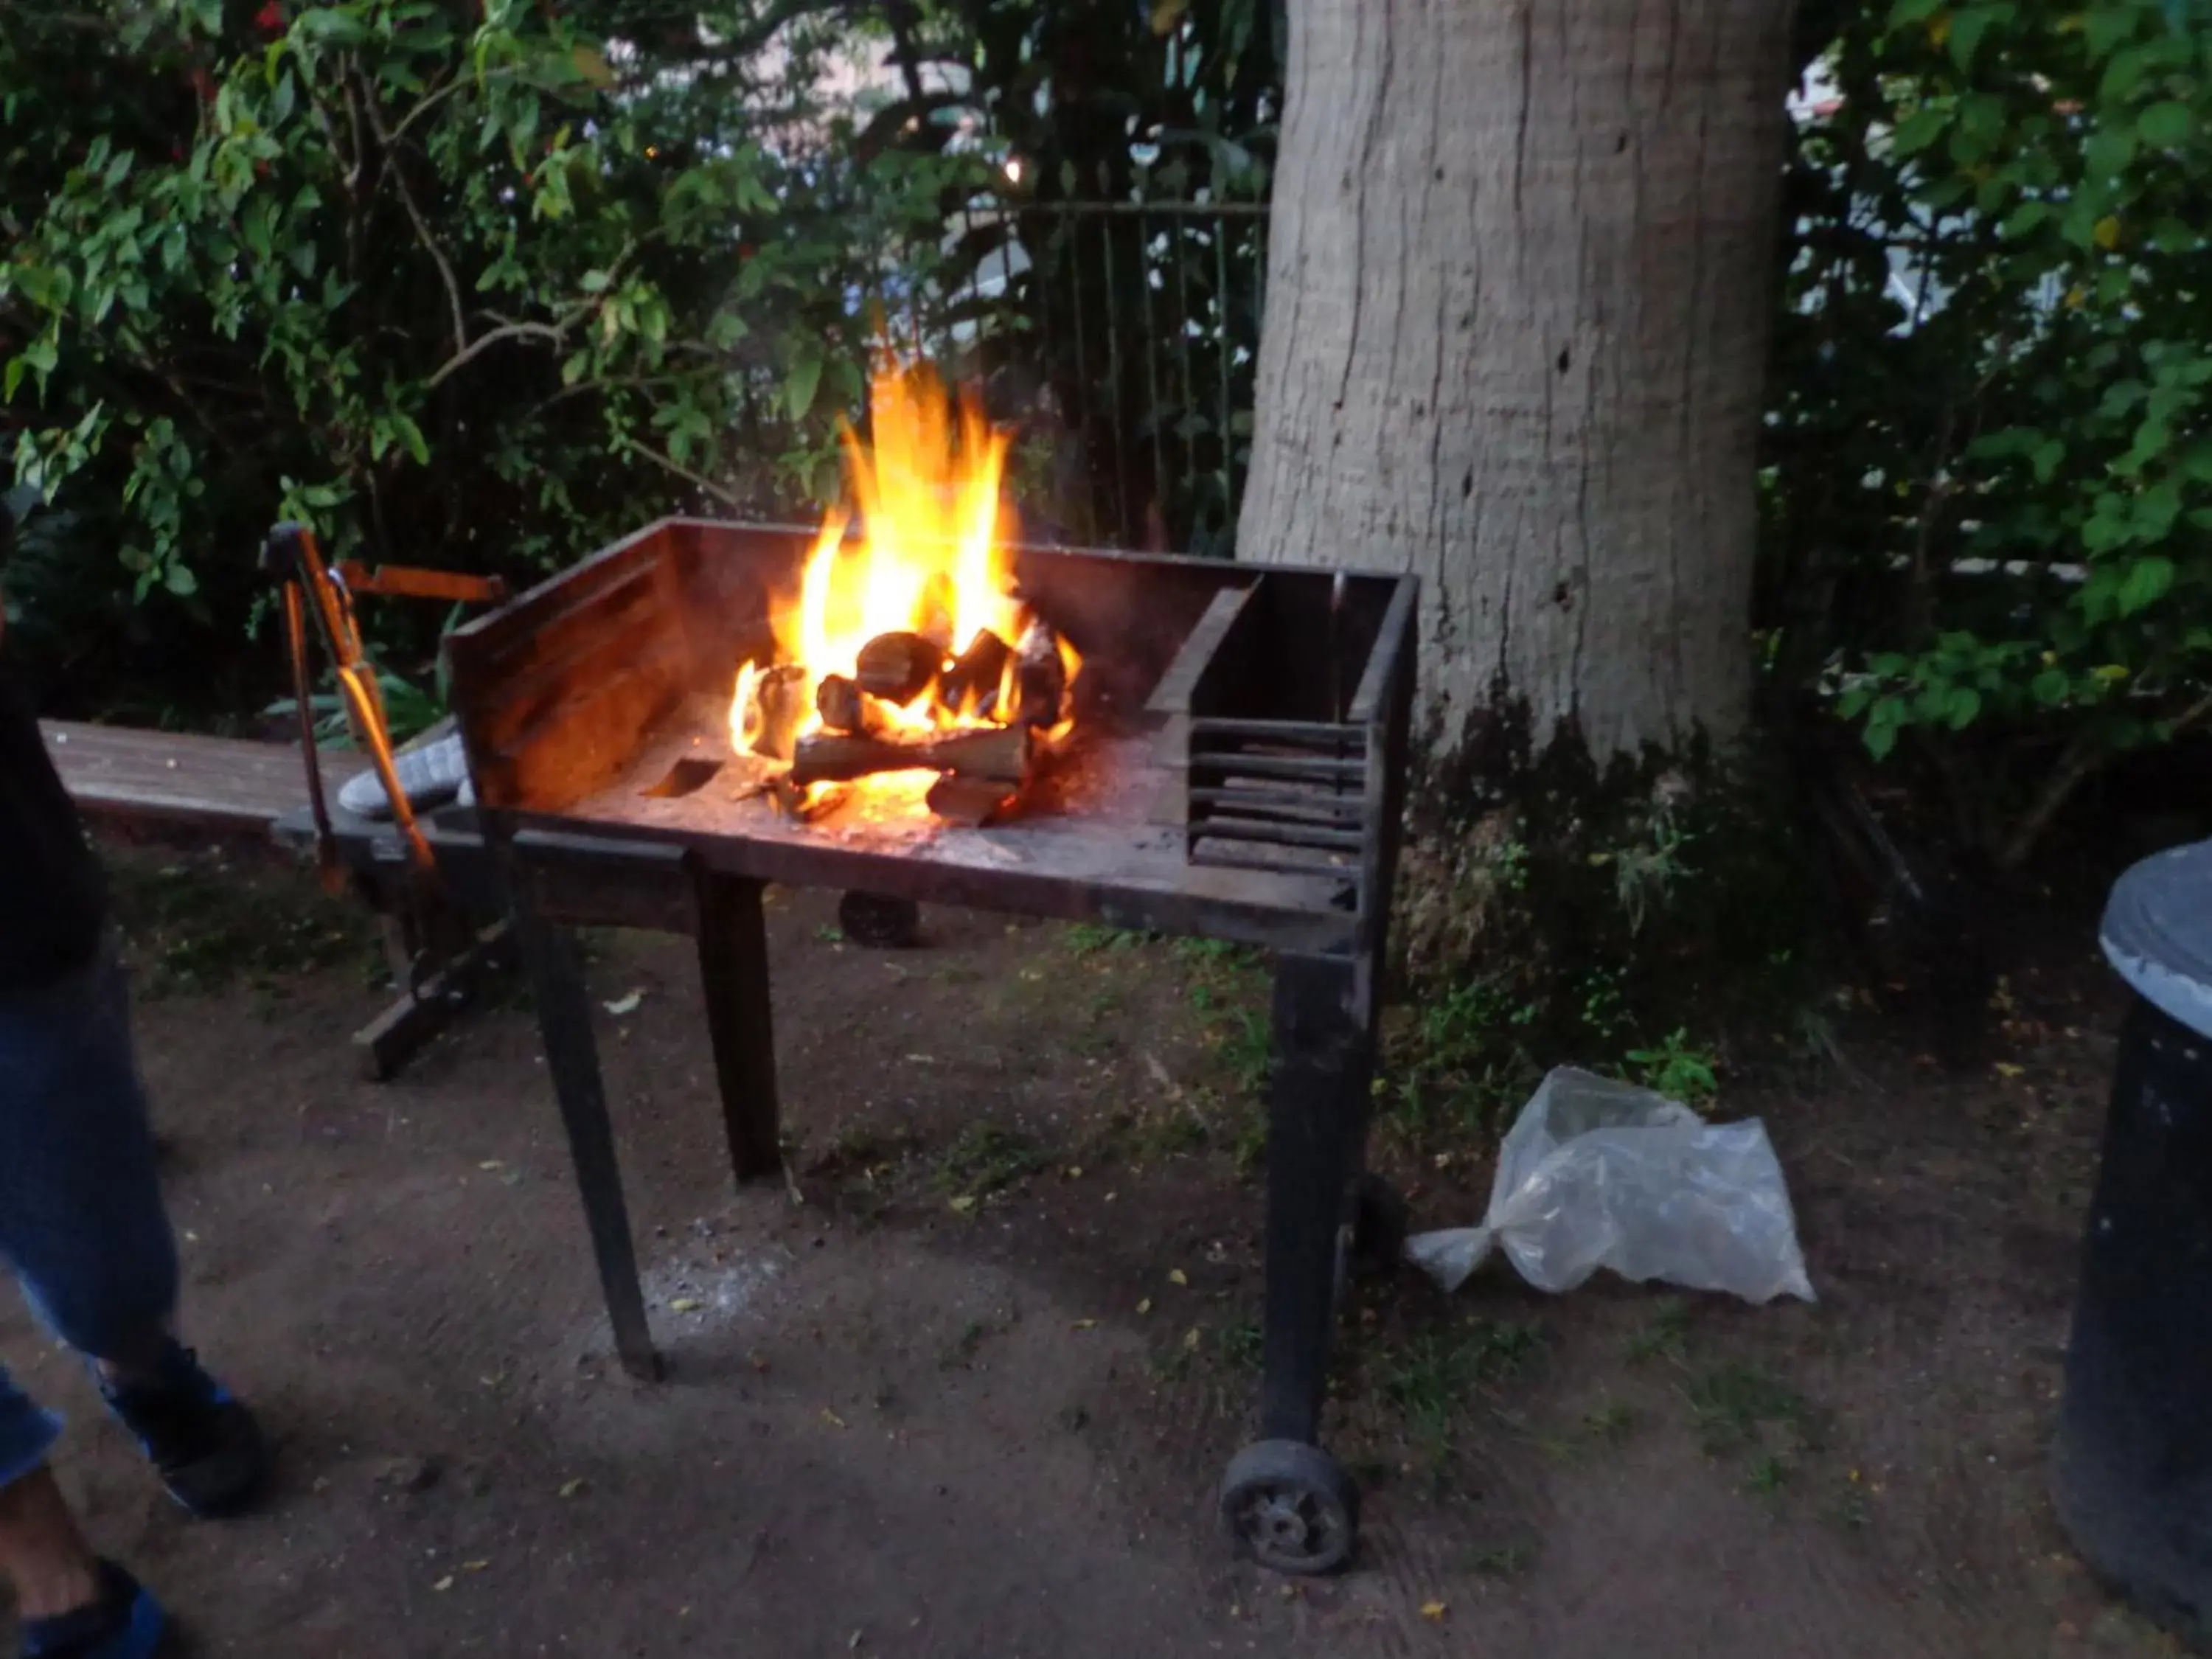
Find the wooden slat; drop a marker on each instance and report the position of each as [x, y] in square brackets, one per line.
[220, 783]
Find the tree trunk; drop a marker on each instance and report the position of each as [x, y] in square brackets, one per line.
[1516, 331]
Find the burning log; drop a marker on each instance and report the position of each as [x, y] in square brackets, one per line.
[775, 701]
[844, 707]
[1040, 676]
[795, 803]
[970, 685]
[972, 802]
[898, 667]
[1001, 752]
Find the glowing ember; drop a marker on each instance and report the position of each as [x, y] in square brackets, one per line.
[926, 581]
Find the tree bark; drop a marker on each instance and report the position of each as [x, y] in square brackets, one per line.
[1516, 327]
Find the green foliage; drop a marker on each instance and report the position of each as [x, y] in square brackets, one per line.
[483, 287]
[1677, 1068]
[1991, 486]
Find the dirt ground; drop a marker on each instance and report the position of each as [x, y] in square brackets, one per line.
[970, 1394]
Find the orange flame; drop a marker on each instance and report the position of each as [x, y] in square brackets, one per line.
[928, 561]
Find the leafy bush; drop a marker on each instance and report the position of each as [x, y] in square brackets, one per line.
[1991, 486]
[481, 286]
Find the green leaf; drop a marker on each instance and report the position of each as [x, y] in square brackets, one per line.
[799, 391]
[1961, 706]
[2166, 126]
[1912, 11]
[2147, 582]
[2023, 219]
[180, 580]
[2107, 155]
[1919, 130]
[2105, 25]
[1971, 23]
[328, 25]
[2047, 458]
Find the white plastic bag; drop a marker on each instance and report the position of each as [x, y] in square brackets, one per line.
[1599, 1174]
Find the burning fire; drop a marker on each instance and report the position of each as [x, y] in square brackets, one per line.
[921, 603]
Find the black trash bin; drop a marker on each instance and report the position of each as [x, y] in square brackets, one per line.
[2132, 1467]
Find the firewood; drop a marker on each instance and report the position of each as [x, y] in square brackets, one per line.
[778, 704]
[997, 751]
[972, 802]
[796, 803]
[1040, 676]
[898, 667]
[845, 707]
[970, 686]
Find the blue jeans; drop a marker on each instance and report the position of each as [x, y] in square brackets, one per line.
[81, 1216]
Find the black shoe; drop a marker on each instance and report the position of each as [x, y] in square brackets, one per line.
[204, 1444]
[126, 1623]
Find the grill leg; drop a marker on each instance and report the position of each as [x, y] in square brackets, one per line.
[733, 971]
[572, 1055]
[1288, 1505]
[1317, 1104]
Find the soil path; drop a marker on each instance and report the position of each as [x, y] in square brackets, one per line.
[970, 1398]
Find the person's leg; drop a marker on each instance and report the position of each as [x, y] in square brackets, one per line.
[70, 1603]
[82, 1223]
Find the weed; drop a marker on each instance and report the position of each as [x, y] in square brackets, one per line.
[1215, 953]
[1249, 1147]
[1430, 1380]
[1090, 938]
[1677, 1068]
[829, 933]
[1508, 861]
[194, 928]
[1770, 1473]
[1610, 1423]
[1499, 1560]
[1465, 1057]
[1666, 1335]
[1604, 1009]
[1732, 1402]
[985, 1159]
[1248, 1046]
[1240, 1344]
[1645, 873]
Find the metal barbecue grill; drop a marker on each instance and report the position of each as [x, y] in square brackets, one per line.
[1236, 770]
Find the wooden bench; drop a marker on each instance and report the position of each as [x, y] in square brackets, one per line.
[131, 778]
[217, 784]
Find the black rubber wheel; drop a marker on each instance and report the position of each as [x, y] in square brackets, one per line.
[880, 923]
[1292, 1508]
[1379, 1219]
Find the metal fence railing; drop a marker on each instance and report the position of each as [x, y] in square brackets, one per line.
[1121, 339]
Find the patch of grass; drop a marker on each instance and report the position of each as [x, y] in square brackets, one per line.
[829, 933]
[986, 1159]
[1239, 1345]
[1432, 1377]
[1769, 1473]
[1666, 1334]
[1677, 1068]
[1731, 1403]
[1249, 1146]
[1500, 1560]
[1463, 1062]
[1089, 938]
[1216, 953]
[194, 928]
[1610, 1423]
[1247, 1042]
